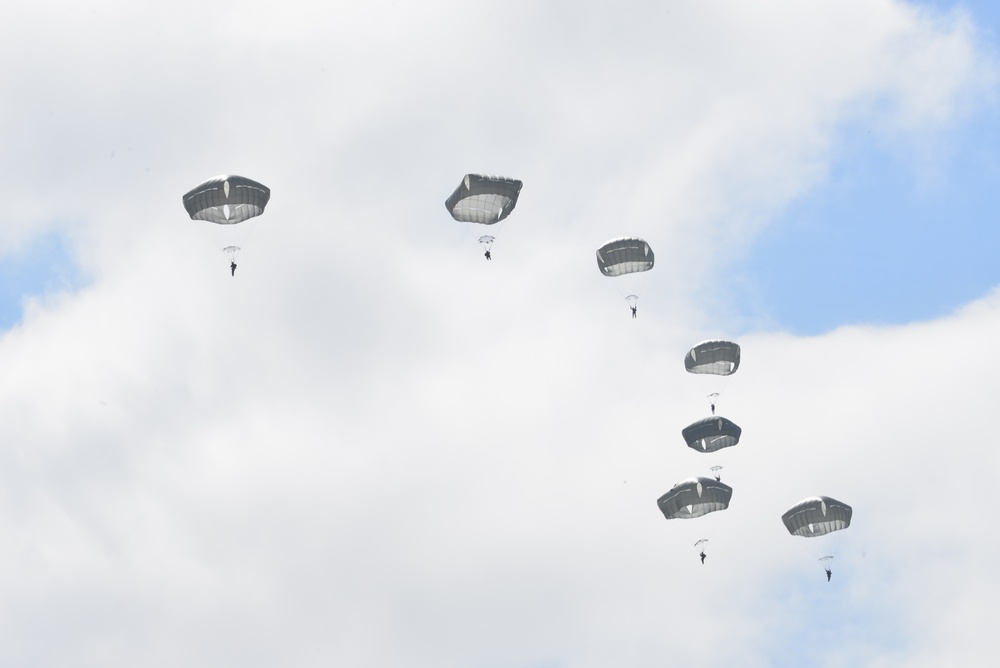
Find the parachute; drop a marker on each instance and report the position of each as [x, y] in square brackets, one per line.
[721, 358]
[622, 256]
[817, 516]
[625, 255]
[227, 201]
[487, 241]
[483, 199]
[711, 434]
[695, 497]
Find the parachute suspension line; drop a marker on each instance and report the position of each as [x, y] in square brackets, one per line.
[728, 453]
[719, 385]
[213, 240]
[494, 231]
[250, 229]
[709, 536]
[234, 239]
[629, 293]
[834, 544]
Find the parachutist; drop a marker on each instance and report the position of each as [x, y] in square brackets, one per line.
[634, 308]
[226, 201]
[718, 478]
[703, 555]
[829, 574]
[713, 409]
[488, 256]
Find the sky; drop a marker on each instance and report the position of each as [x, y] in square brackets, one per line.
[371, 447]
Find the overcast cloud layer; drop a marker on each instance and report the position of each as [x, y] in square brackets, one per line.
[371, 447]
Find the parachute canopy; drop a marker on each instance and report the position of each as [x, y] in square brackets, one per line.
[721, 358]
[483, 199]
[711, 434]
[625, 255]
[817, 516]
[694, 497]
[227, 200]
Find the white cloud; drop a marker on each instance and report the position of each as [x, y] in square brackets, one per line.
[370, 447]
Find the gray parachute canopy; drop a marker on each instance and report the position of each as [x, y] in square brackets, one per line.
[227, 200]
[625, 255]
[721, 358]
[694, 497]
[711, 434]
[817, 516]
[483, 199]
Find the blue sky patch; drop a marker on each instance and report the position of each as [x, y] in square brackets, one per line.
[881, 242]
[44, 265]
[985, 13]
